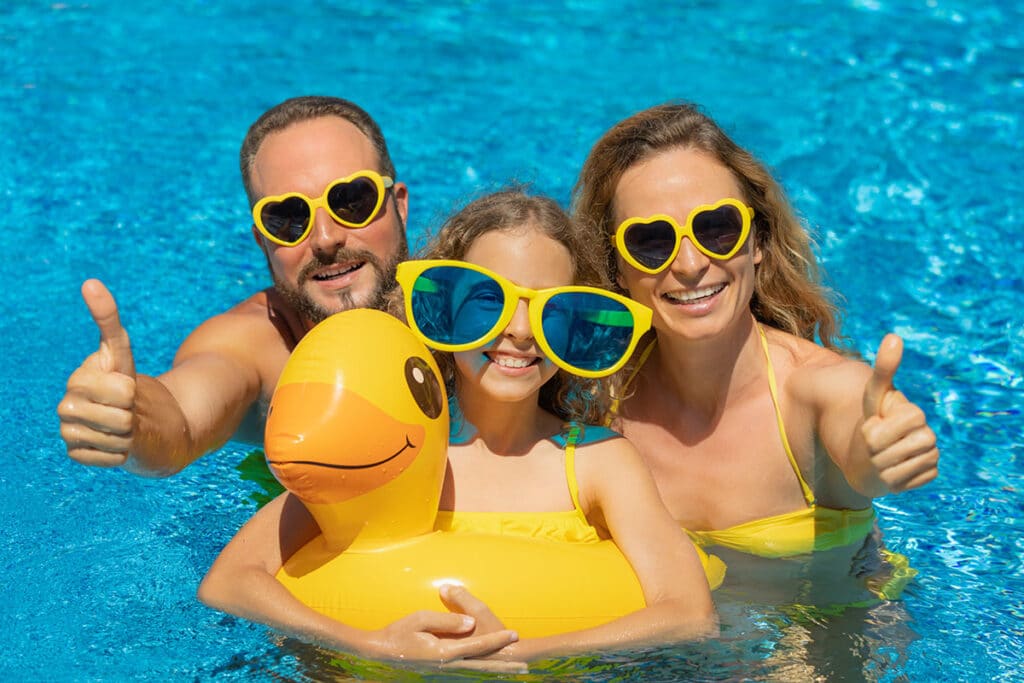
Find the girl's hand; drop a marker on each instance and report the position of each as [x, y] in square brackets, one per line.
[442, 638]
[459, 600]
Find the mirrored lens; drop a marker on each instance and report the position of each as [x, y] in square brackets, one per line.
[456, 305]
[353, 202]
[651, 244]
[286, 220]
[587, 330]
[718, 230]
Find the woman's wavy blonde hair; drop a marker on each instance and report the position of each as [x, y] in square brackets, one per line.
[568, 396]
[788, 293]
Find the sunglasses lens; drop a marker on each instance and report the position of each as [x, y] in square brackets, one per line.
[587, 330]
[286, 220]
[353, 202]
[456, 305]
[719, 229]
[650, 244]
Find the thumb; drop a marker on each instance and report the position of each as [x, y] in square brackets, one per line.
[458, 599]
[115, 349]
[887, 362]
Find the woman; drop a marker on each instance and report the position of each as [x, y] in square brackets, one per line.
[760, 440]
[522, 461]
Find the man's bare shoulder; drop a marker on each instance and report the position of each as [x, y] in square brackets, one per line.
[245, 327]
[253, 307]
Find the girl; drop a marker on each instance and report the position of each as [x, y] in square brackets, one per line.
[520, 451]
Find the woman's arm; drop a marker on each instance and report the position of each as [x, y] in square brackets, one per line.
[878, 438]
[618, 492]
[242, 582]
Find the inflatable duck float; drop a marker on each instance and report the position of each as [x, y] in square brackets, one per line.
[358, 431]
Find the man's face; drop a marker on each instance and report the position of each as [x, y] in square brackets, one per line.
[335, 268]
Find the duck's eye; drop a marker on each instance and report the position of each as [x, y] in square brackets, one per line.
[425, 388]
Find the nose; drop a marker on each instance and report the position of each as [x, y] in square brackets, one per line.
[518, 327]
[690, 262]
[327, 234]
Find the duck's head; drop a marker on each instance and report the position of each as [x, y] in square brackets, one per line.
[358, 429]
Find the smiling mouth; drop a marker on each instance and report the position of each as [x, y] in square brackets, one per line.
[324, 277]
[512, 362]
[694, 296]
[408, 445]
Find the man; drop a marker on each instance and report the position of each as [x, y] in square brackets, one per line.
[330, 219]
[333, 248]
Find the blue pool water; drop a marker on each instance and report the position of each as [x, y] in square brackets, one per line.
[895, 125]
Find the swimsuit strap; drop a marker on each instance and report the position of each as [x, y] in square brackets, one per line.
[570, 464]
[808, 494]
[613, 410]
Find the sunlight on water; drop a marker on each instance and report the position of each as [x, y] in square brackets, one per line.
[894, 125]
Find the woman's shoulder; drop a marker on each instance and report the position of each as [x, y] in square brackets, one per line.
[804, 354]
[808, 370]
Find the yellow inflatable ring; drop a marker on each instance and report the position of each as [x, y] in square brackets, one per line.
[358, 430]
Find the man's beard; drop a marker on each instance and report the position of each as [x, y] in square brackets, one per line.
[310, 310]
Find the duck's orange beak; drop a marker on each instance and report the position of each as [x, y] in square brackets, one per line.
[330, 444]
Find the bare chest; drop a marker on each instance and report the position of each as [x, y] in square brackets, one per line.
[534, 482]
[713, 474]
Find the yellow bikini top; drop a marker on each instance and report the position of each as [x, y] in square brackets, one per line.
[809, 529]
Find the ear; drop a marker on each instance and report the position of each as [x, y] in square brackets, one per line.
[401, 194]
[259, 239]
[615, 264]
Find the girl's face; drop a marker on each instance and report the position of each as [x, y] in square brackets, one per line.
[512, 367]
[695, 297]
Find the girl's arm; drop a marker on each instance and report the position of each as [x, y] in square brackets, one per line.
[618, 492]
[878, 438]
[242, 582]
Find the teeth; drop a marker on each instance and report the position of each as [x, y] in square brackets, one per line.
[689, 297]
[508, 362]
[334, 273]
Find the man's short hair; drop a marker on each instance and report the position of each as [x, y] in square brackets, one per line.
[304, 108]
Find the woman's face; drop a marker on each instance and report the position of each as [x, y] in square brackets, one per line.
[512, 367]
[695, 297]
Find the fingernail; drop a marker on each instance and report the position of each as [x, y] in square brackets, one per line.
[468, 621]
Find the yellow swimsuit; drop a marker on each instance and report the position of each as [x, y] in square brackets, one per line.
[564, 525]
[801, 531]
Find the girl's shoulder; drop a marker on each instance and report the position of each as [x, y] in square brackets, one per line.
[581, 435]
[599, 447]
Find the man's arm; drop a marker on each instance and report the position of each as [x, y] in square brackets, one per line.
[155, 426]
